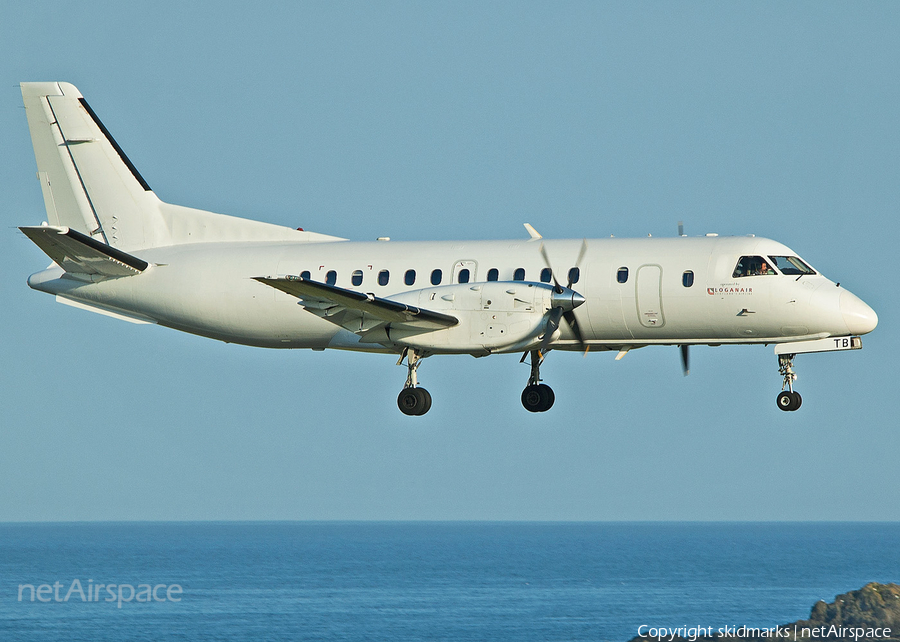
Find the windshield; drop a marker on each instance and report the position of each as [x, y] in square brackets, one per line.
[791, 265]
[752, 266]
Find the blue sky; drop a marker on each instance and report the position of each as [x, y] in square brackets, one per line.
[462, 120]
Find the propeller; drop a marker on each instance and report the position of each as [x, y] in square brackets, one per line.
[553, 318]
[563, 305]
[685, 359]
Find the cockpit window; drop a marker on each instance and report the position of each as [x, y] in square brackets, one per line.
[791, 265]
[752, 266]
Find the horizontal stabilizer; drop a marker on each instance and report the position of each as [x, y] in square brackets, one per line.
[78, 253]
[330, 301]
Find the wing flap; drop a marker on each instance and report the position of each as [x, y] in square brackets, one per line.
[348, 307]
[78, 253]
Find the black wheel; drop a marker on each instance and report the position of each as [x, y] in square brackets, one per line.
[798, 400]
[414, 401]
[538, 398]
[426, 400]
[532, 398]
[549, 397]
[785, 400]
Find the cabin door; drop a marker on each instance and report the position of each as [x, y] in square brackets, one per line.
[649, 296]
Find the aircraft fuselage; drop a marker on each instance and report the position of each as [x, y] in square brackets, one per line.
[638, 291]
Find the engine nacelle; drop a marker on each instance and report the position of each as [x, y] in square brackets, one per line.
[497, 316]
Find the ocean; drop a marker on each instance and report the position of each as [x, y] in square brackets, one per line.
[423, 580]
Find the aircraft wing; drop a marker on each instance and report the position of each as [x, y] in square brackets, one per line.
[357, 311]
[79, 253]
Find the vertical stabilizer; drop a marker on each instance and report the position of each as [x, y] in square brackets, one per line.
[88, 183]
[91, 187]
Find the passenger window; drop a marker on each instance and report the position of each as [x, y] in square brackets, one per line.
[519, 274]
[752, 266]
[546, 275]
[493, 274]
[356, 277]
[305, 275]
[331, 277]
[464, 275]
[383, 277]
[436, 276]
[687, 279]
[791, 265]
[622, 275]
[574, 275]
[410, 277]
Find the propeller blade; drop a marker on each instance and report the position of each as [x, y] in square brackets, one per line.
[553, 317]
[573, 323]
[558, 312]
[685, 359]
[556, 284]
[581, 254]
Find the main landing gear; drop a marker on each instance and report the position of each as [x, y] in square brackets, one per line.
[787, 399]
[413, 400]
[537, 396]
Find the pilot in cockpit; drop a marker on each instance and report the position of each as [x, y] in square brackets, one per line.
[765, 269]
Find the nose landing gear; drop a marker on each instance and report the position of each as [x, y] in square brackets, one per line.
[412, 400]
[537, 396]
[787, 399]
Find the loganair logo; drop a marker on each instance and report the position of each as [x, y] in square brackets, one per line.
[727, 289]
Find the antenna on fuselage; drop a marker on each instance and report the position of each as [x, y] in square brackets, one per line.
[680, 228]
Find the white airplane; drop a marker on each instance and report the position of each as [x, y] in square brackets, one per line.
[119, 250]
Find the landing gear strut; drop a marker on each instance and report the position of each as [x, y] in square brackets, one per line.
[413, 400]
[537, 396]
[787, 399]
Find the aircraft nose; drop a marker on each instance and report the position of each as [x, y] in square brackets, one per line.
[858, 316]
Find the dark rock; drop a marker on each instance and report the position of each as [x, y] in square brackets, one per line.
[872, 606]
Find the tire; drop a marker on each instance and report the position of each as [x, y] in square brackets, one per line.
[548, 397]
[532, 399]
[798, 401]
[785, 400]
[411, 401]
[426, 400]
[538, 398]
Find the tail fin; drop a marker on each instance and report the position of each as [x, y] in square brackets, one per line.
[89, 184]
[91, 187]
